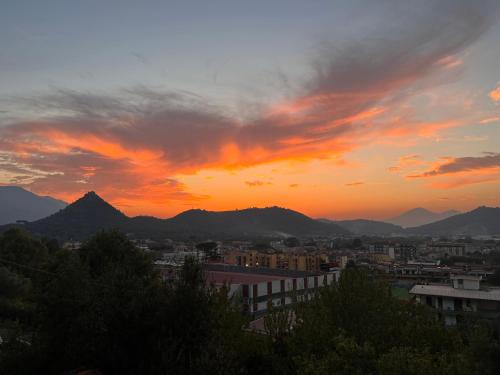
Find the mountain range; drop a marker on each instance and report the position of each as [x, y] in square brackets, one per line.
[17, 203]
[420, 216]
[481, 221]
[91, 213]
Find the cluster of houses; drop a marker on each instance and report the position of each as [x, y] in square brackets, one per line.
[285, 273]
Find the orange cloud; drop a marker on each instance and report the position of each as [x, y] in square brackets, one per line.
[458, 172]
[495, 94]
[492, 176]
[485, 163]
[407, 161]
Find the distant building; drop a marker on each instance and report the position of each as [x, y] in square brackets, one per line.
[288, 260]
[343, 261]
[72, 245]
[448, 248]
[380, 258]
[405, 252]
[177, 258]
[388, 250]
[463, 296]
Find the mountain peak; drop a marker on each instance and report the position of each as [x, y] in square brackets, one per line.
[91, 195]
[419, 210]
[419, 216]
[92, 202]
[82, 218]
[480, 221]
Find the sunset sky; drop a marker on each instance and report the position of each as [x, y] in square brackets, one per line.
[338, 109]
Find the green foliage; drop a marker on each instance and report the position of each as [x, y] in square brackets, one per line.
[18, 248]
[209, 248]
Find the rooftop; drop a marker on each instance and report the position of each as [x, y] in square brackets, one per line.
[223, 273]
[465, 277]
[221, 277]
[449, 291]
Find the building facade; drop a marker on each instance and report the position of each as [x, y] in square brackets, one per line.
[464, 295]
[448, 248]
[286, 261]
[258, 291]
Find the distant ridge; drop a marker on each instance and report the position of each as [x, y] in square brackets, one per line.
[17, 203]
[270, 221]
[481, 221]
[368, 227]
[419, 216]
[91, 213]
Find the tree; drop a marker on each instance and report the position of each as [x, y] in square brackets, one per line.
[96, 308]
[495, 278]
[357, 243]
[104, 306]
[358, 321]
[22, 253]
[210, 249]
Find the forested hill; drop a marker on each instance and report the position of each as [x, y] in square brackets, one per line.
[90, 214]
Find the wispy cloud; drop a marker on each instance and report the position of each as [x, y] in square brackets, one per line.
[407, 161]
[487, 120]
[257, 183]
[355, 183]
[463, 164]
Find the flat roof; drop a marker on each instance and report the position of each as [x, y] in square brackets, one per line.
[283, 273]
[448, 291]
[465, 277]
[221, 277]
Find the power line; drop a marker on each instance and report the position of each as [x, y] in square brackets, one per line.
[28, 267]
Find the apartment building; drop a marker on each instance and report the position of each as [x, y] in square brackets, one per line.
[286, 260]
[258, 289]
[464, 295]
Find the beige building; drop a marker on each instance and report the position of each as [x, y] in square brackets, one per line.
[287, 261]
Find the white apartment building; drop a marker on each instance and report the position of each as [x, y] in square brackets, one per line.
[260, 291]
[464, 295]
